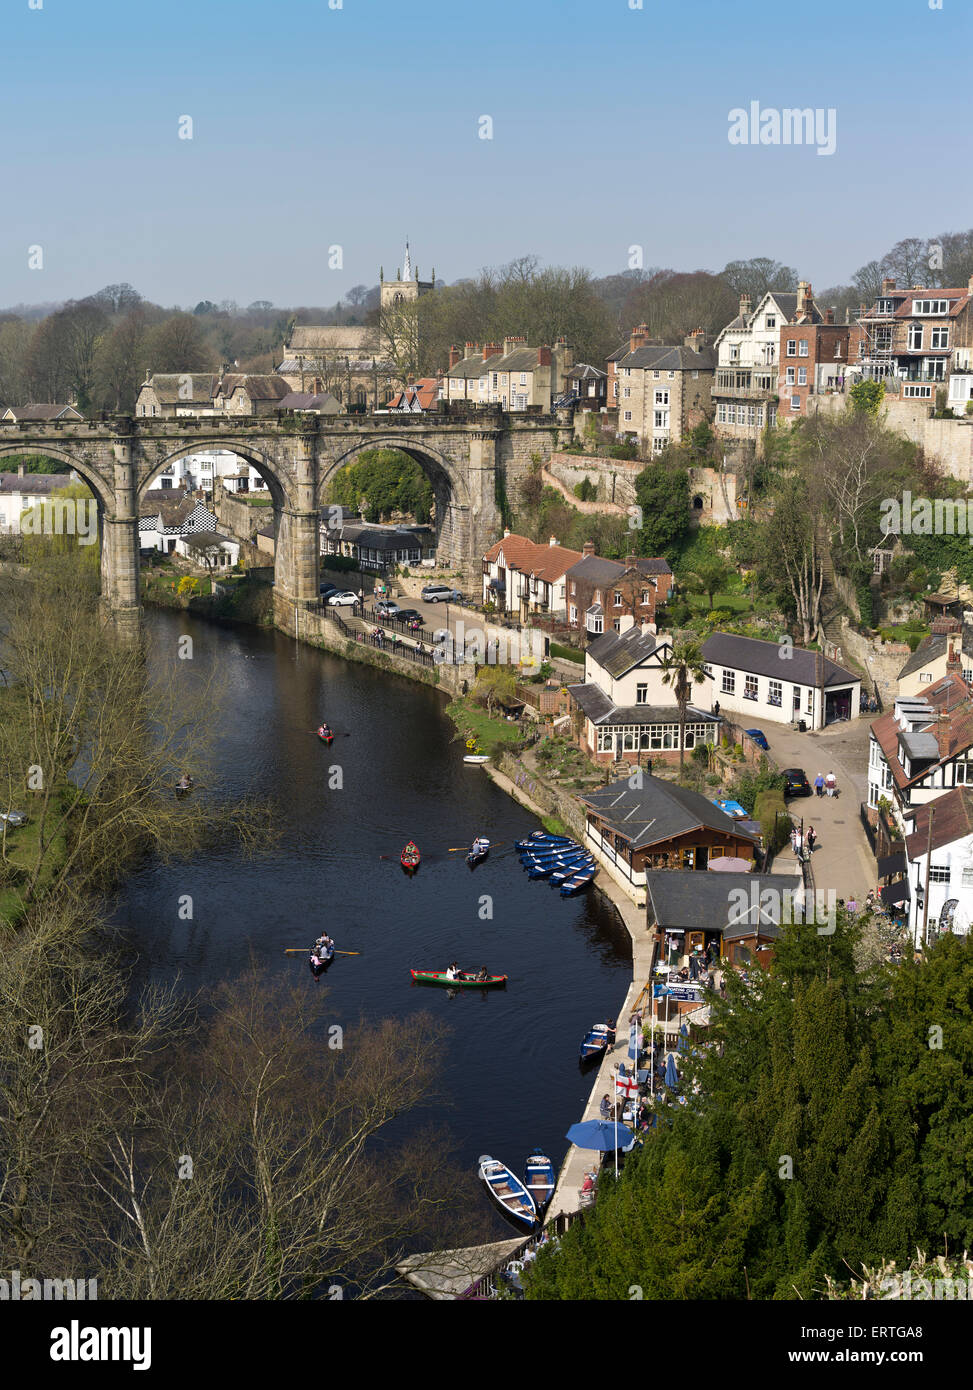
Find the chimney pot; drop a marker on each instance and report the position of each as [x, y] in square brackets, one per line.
[588, 548]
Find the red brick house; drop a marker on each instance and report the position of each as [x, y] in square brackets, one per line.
[813, 359]
[602, 592]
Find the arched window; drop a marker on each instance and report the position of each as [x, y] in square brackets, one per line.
[360, 397]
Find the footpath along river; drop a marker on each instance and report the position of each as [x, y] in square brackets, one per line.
[510, 1070]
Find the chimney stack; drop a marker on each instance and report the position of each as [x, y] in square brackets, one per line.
[552, 541]
[829, 316]
[696, 340]
[803, 294]
[588, 548]
[745, 304]
[631, 561]
[543, 357]
[455, 355]
[888, 286]
[491, 350]
[942, 734]
[638, 336]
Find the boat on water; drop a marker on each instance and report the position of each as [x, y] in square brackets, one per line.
[542, 870]
[574, 885]
[562, 875]
[184, 786]
[410, 857]
[560, 856]
[478, 851]
[319, 959]
[597, 1041]
[465, 980]
[541, 837]
[475, 759]
[539, 1178]
[325, 734]
[508, 1191]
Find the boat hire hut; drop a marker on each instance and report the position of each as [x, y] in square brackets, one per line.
[658, 825]
[741, 914]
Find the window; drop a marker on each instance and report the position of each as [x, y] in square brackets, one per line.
[963, 774]
[809, 706]
[885, 306]
[913, 389]
[618, 598]
[968, 878]
[939, 873]
[789, 380]
[655, 376]
[662, 397]
[734, 355]
[523, 378]
[775, 693]
[574, 615]
[672, 376]
[930, 306]
[626, 393]
[729, 682]
[627, 371]
[494, 381]
[797, 699]
[802, 376]
[617, 625]
[791, 347]
[795, 402]
[642, 693]
[659, 443]
[695, 376]
[626, 415]
[915, 337]
[595, 622]
[939, 338]
[645, 596]
[771, 320]
[661, 418]
[721, 414]
[803, 349]
[750, 687]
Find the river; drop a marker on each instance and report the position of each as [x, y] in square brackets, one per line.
[510, 1072]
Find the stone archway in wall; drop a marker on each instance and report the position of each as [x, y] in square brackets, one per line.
[245, 453]
[88, 474]
[454, 509]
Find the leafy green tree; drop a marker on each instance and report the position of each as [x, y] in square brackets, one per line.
[383, 481]
[710, 577]
[867, 396]
[662, 493]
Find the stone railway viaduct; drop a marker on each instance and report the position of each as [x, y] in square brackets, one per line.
[469, 458]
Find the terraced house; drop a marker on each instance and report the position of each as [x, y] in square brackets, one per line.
[600, 593]
[522, 577]
[509, 374]
[922, 748]
[661, 390]
[914, 339]
[745, 390]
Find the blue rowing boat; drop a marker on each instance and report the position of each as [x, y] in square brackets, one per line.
[509, 1191]
[539, 1178]
[575, 885]
[597, 1041]
[570, 871]
[541, 837]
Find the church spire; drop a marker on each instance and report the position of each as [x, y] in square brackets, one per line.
[407, 263]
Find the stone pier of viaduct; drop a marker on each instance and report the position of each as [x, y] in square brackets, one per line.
[470, 459]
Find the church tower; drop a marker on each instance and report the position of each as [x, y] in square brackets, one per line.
[406, 287]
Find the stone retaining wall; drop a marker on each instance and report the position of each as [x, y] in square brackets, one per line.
[555, 800]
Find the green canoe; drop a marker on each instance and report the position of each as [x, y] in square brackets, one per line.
[439, 977]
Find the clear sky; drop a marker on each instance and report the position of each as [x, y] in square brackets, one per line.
[315, 127]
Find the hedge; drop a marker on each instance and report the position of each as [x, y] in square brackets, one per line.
[567, 653]
[774, 828]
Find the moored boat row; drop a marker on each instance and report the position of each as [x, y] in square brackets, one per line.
[524, 1201]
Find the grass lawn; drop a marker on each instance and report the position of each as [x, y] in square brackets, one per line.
[473, 721]
[567, 653]
[736, 603]
[21, 854]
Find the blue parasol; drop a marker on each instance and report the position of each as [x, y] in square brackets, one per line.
[599, 1134]
[683, 1043]
[672, 1075]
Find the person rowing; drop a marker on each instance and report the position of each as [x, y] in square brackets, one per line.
[482, 973]
[185, 783]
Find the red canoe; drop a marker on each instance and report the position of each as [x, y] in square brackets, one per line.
[409, 858]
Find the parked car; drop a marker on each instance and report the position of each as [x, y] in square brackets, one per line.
[344, 598]
[437, 593]
[410, 615]
[13, 817]
[325, 589]
[795, 782]
[759, 738]
[385, 608]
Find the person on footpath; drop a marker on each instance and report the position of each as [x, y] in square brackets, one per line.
[819, 784]
[811, 839]
[831, 784]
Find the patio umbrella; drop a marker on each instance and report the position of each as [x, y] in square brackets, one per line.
[729, 864]
[598, 1134]
[683, 1043]
[672, 1075]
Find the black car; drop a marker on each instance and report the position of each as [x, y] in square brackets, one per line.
[795, 782]
[410, 615]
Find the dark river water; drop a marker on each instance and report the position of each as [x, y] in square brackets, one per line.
[510, 1072]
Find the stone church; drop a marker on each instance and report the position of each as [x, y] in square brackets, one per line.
[349, 360]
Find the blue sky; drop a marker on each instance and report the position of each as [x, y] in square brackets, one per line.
[315, 127]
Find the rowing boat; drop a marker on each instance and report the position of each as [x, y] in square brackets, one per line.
[320, 959]
[597, 1041]
[574, 885]
[479, 850]
[410, 857]
[465, 980]
[562, 875]
[476, 759]
[539, 1178]
[507, 1190]
[541, 837]
[325, 734]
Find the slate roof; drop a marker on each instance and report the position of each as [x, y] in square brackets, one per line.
[665, 358]
[33, 484]
[257, 388]
[321, 401]
[473, 367]
[953, 820]
[595, 569]
[764, 659]
[618, 652]
[582, 371]
[931, 648]
[171, 387]
[657, 812]
[339, 338]
[593, 701]
[44, 412]
[686, 899]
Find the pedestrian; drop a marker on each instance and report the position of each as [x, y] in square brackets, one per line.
[819, 784]
[723, 987]
[831, 784]
[811, 838]
[852, 907]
